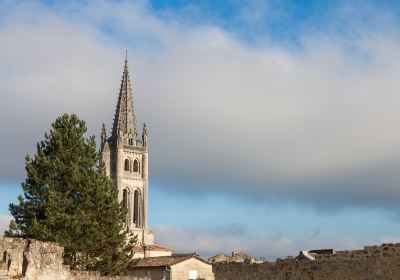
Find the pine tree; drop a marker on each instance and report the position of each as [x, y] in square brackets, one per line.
[69, 200]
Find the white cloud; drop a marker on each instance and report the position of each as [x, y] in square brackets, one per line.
[208, 242]
[317, 124]
[4, 222]
[389, 239]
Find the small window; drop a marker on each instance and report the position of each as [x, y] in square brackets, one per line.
[130, 141]
[126, 168]
[136, 167]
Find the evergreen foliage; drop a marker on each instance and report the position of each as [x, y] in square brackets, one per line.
[69, 200]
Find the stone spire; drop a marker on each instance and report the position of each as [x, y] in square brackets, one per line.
[124, 120]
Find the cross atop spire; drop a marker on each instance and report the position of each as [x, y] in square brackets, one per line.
[124, 120]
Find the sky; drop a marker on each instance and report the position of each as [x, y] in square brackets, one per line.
[272, 124]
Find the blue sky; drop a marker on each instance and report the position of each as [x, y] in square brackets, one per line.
[272, 123]
[283, 22]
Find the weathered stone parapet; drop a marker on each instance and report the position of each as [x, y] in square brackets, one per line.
[371, 263]
[95, 275]
[45, 260]
[35, 260]
[12, 256]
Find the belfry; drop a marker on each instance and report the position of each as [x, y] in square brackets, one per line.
[125, 157]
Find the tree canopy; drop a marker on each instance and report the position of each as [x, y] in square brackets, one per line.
[68, 199]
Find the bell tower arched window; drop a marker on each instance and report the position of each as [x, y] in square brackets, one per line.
[125, 205]
[126, 165]
[136, 166]
[136, 208]
[125, 199]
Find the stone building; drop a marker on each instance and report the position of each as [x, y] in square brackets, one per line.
[236, 257]
[314, 254]
[126, 159]
[174, 268]
[151, 250]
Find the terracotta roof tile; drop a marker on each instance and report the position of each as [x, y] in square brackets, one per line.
[165, 261]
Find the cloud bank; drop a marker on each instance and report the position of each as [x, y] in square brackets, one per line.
[209, 242]
[314, 125]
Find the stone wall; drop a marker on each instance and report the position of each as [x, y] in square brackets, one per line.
[374, 262]
[35, 260]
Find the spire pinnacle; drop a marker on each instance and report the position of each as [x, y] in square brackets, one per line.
[144, 136]
[144, 129]
[103, 134]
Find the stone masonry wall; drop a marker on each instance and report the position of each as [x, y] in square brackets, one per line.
[35, 260]
[374, 262]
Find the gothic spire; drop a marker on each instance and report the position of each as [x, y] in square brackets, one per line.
[124, 120]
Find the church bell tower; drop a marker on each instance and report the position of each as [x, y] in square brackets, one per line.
[125, 156]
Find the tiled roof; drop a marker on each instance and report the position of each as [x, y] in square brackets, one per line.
[152, 247]
[165, 261]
